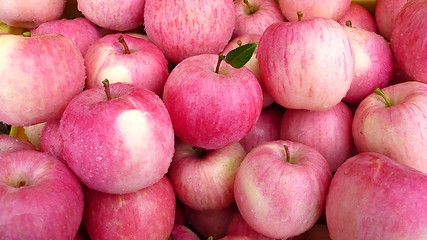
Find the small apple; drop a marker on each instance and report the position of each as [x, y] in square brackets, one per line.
[9, 144]
[181, 232]
[332, 9]
[385, 15]
[50, 139]
[360, 17]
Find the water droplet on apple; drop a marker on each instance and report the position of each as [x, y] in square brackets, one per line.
[374, 58]
[358, 74]
[98, 158]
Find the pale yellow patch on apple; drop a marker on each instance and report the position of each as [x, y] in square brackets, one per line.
[254, 197]
[115, 74]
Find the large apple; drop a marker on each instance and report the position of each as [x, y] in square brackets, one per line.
[186, 28]
[122, 58]
[374, 197]
[145, 214]
[40, 75]
[333, 9]
[394, 124]
[40, 197]
[307, 64]
[211, 109]
[282, 183]
[118, 140]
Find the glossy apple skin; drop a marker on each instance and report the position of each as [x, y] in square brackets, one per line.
[307, 64]
[116, 15]
[50, 139]
[385, 15]
[360, 17]
[145, 214]
[252, 64]
[119, 145]
[408, 39]
[266, 13]
[145, 66]
[30, 13]
[49, 205]
[205, 182]
[399, 131]
[210, 110]
[333, 9]
[80, 30]
[186, 28]
[329, 131]
[271, 192]
[182, 232]
[27, 65]
[9, 144]
[374, 197]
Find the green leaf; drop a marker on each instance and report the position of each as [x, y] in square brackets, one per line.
[239, 56]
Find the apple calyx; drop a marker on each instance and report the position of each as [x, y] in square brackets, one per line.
[348, 23]
[237, 57]
[300, 14]
[26, 34]
[382, 94]
[123, 42]
[210, 238]
[251, 8]
[200, 152]
[106, 84]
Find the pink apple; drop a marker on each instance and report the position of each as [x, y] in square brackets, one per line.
[211, 110]
[144, 214]
[40, 197]
[144, 64]
[254, 16]
[9, 144]
[398, 129]
[282, 183]
[30, 13]
[40, 75]
[252, 64]
[119, 15]
[181, 232]
[333, 9]
[329, 131]
[307, 64]
[373, 63]
[237, 226]
[186, 28]
[204, 179]
[50, 139]
[385, 15]
[360, 17]
[374, 197]
[118, 145]
[408, 39]
[80, 30]
[267, 128]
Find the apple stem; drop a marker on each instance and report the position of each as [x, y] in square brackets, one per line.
[26, 34]
[348, 23]
[200, 152]
[251, 9]
[382, 94]
[288, 156]
[300, 14]
[107, 88]
[123, 42]
[220, 58]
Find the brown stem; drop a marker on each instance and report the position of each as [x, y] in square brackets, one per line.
[300, 14]
[220, 58]
[123, 42]
[251, 9]
[107, 88]
[288, 156]
[348, 23]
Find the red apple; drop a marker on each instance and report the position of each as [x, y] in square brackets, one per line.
[374, 197]
[118, 144]
[181, 232]
[237, 226]
[145, 214]
[385, 15]
[211, 110]
[9, 144]
[50, 139]
[40, 197]
[282, 183]
[333, 9]
[360, 17]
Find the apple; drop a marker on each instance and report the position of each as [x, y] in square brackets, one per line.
[329, 131]
[374, 63]
[360, 17]
[394, 124]
[211, 107]
[145, 214]
[181, 232]
[30, 13]
[408, 39]
[119, 15]
[282, 183]
[40, 197]
[252, 64]
[332, 9]
[50, 139]
[119, 139]
[266, 128]
[80, 30]
[237, 226]
[307, 64]
[254, 16]
[374, 197]
[123, 58]
[9, 144]
[41, 73]
[186, 28]
[385, 15]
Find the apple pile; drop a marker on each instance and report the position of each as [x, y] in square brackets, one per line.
[221, 119]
